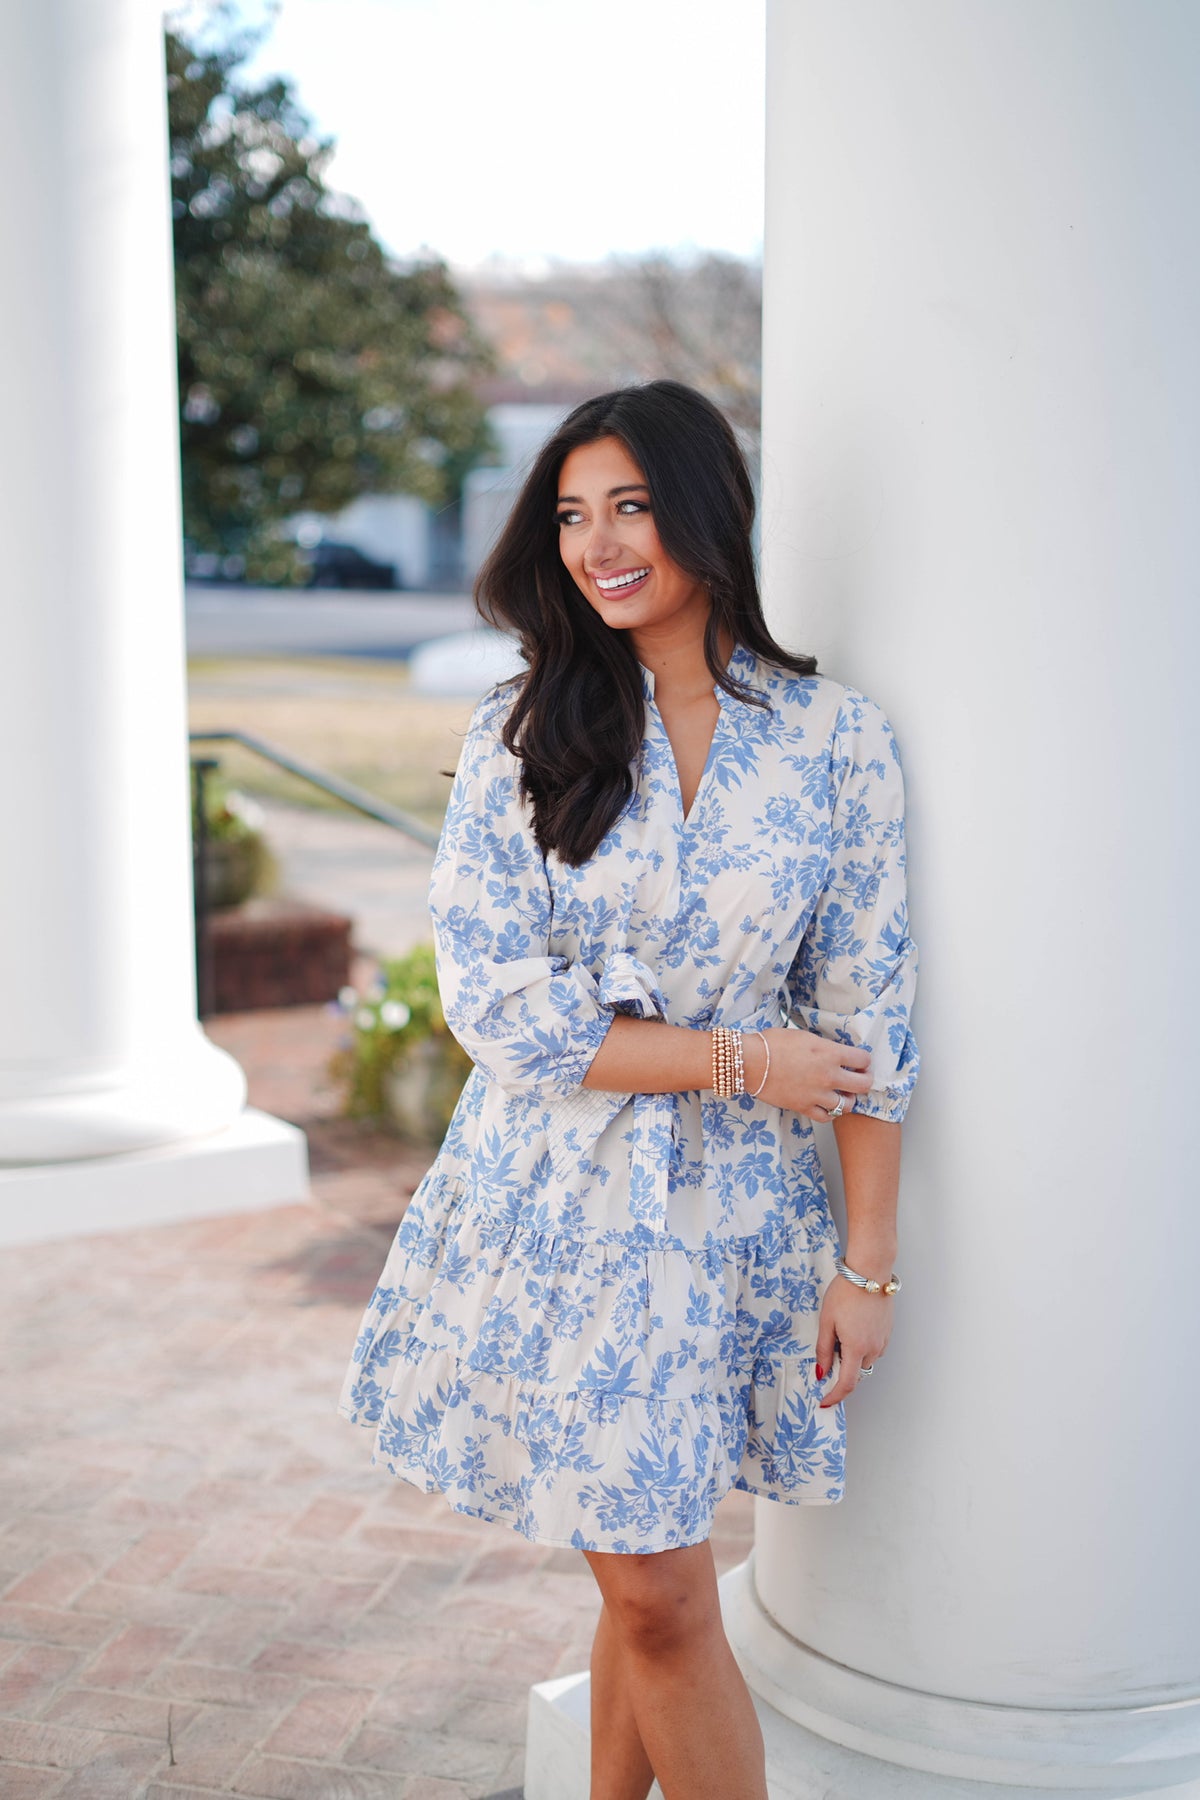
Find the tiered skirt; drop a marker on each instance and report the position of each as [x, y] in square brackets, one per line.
[596, 1390]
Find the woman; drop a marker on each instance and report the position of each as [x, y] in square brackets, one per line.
[617, 1292]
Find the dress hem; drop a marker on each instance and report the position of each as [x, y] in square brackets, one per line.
[416, 1477]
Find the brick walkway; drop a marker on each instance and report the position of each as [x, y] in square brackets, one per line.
[203, 1588]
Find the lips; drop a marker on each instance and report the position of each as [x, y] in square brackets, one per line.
[622, 582]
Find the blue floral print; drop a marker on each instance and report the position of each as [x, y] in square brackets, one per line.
[599, 1312]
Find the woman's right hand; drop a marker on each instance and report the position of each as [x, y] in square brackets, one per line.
[809, 1073]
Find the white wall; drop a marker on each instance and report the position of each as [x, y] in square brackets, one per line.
[521, 429]
[391, 528]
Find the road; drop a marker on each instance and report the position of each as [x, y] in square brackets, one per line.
[244, 621]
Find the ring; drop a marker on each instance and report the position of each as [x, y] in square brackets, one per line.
[866, 1368]
[839, 1109]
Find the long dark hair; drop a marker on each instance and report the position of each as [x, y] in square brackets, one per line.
[577, 721]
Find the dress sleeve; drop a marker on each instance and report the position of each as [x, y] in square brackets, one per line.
[854, 975]
[530, 1020]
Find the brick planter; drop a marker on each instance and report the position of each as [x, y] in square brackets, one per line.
[272, 952]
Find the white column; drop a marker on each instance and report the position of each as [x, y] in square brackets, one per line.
[982, 470]
[100, 1051]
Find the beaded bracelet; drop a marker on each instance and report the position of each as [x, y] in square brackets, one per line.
[728, 1078]
[728, 1063]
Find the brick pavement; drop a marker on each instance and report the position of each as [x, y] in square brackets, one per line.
[203, 1588]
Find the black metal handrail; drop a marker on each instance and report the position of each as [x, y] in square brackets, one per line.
[346, 791]
[332, 784]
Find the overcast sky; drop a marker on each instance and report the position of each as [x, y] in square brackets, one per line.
[534, 128]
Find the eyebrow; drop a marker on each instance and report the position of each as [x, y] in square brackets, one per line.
[631, 487]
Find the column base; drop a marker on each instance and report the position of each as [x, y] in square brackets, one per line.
[800, 1765]
[918, 1741]
[179, 1089]
[257, 1161]
[805, 1764]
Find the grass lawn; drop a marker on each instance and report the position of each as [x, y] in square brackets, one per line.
[351, 715]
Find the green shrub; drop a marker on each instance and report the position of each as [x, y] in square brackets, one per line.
[400, 1011]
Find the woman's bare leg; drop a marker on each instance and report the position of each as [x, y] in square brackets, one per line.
[693, 1711]
[620, 1767]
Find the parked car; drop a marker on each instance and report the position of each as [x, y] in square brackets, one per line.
[332, 565]
[210, 566]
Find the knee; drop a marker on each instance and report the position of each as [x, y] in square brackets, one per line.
[660, 1618]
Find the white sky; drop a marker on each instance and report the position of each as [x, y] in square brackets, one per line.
[535, 129]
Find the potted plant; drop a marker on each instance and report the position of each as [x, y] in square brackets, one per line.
[400, 1063]
[236, 857]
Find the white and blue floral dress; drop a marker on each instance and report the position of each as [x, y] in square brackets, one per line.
[599, 1312]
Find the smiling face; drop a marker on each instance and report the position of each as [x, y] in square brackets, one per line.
[609, 543]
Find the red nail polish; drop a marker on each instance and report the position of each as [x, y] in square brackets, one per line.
[820, 1373]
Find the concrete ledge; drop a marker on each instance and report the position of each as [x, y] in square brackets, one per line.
[257, 1161]
[557, 1740]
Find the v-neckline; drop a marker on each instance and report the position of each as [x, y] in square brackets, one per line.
[738, 654]
[709, 758]
[704, 773]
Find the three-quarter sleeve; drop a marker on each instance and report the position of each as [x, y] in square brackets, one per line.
[532, 1021]
[854, 976]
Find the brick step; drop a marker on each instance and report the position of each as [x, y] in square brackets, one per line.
[271, 951]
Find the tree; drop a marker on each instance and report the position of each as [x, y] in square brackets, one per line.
[312, 367]
[697, 320]
[580, 328]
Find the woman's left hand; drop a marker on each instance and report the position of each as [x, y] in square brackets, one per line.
[857, 1324]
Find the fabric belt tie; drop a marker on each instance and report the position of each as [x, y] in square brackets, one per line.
[627, 986]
